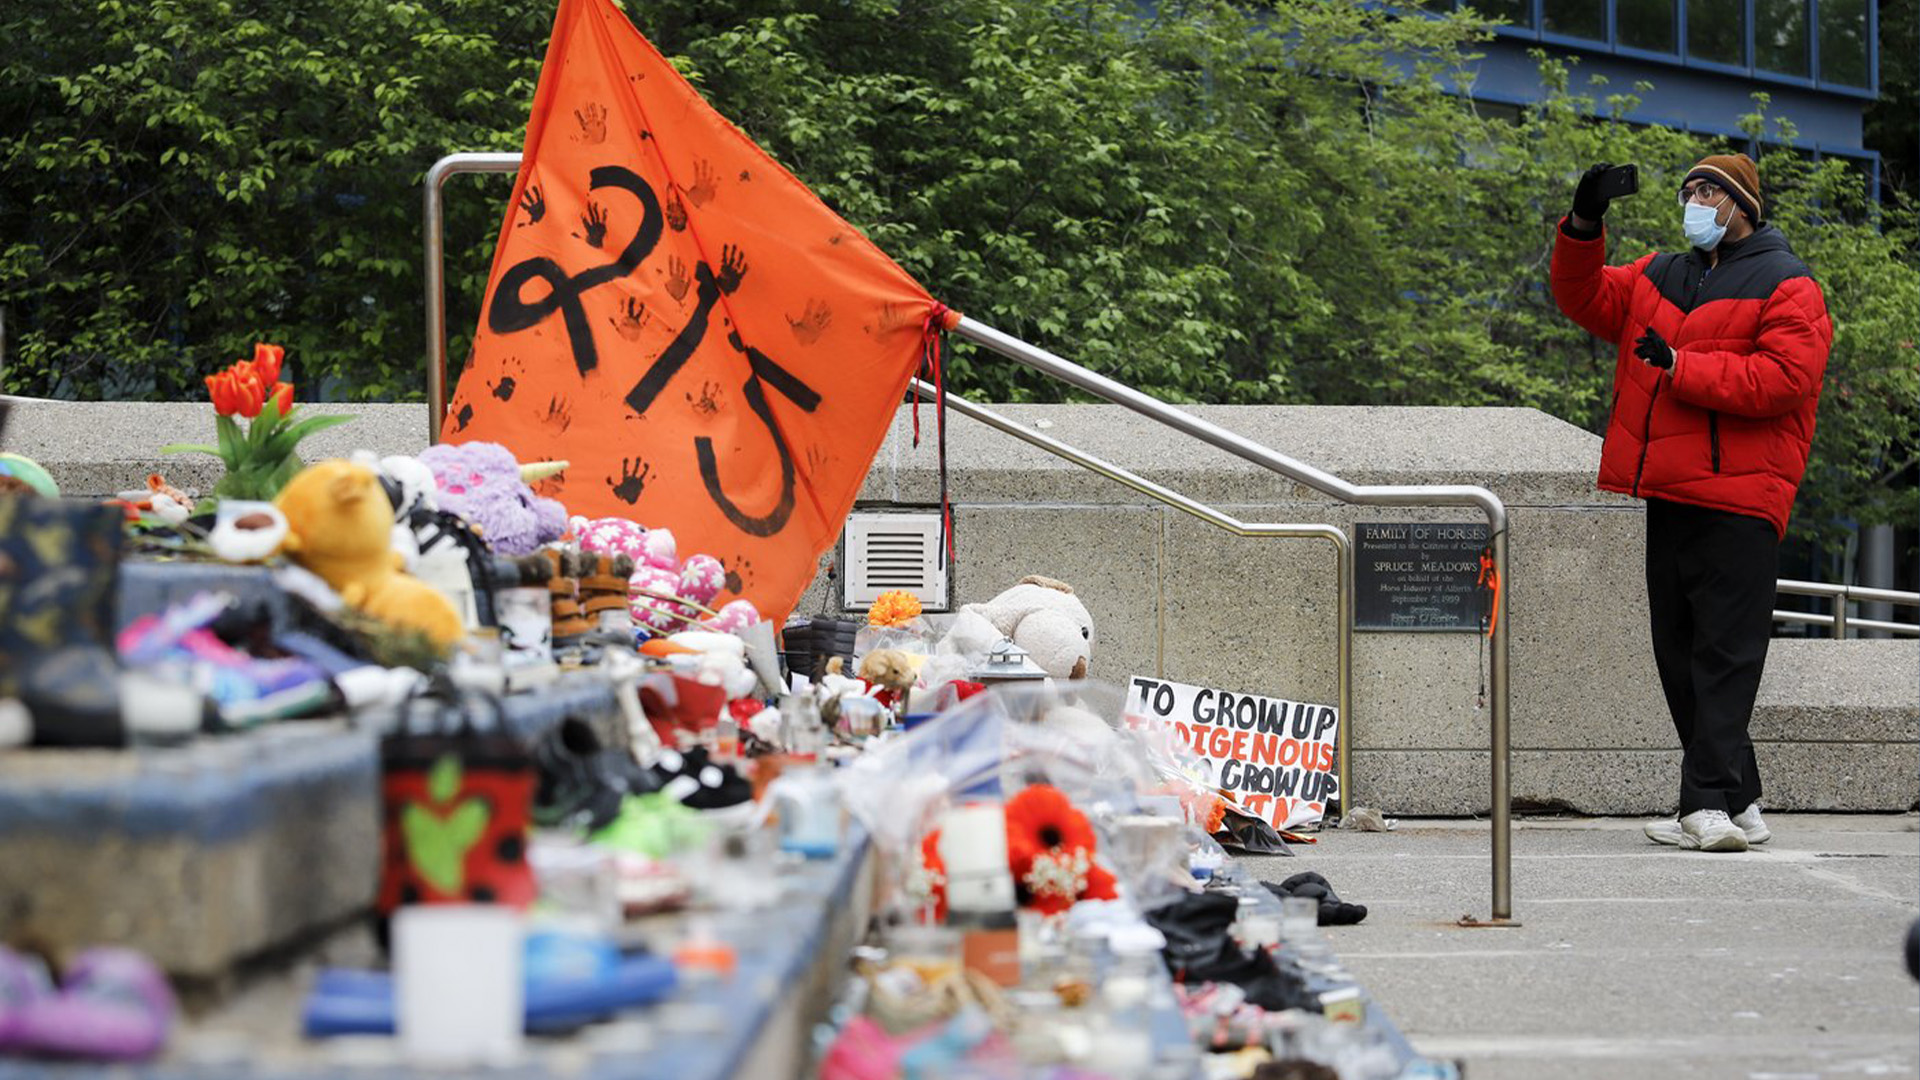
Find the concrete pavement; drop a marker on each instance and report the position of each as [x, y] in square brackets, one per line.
[1634, 960]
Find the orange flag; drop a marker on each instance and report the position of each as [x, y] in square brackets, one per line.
[713, 349]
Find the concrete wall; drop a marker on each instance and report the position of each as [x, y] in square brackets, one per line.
[1176, 598]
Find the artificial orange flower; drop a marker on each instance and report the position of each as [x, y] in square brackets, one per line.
[220, 390]
[253, 392]
[895, 607]
[260, 457]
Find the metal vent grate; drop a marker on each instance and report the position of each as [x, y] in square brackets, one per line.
[894, 551]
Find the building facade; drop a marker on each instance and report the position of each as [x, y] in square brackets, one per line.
[1817, 59]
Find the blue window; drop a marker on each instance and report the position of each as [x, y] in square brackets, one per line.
[1517, 12]
[1717, 31]
[1647, 25]
[1781, 41]
[1843, 42]
[1575, 18]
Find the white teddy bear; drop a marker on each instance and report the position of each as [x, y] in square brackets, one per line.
[1040, 615]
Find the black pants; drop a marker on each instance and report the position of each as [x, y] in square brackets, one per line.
[1710, 591]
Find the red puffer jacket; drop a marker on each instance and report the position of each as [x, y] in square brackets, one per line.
[1729, 425]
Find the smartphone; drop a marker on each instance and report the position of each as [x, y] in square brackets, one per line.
[1619, 181]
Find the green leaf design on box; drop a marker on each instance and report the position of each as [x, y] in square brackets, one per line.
[438, 841]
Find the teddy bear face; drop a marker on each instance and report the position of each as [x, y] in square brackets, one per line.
[1049, 622]
[1057, 642]
[339, 510]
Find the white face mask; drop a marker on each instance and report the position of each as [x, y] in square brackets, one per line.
[1703, 226]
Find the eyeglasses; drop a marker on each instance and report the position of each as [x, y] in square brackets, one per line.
[1705, 191]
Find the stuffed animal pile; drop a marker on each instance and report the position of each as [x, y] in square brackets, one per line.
[340, 526]
[660, 580]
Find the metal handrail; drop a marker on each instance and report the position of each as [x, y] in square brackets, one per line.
[1120, 394]
[1367, 495]
[1842, 595]
[435, 274]
[1343, 548]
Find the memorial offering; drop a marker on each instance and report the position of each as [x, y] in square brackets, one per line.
[506, 754]
[1273, 757]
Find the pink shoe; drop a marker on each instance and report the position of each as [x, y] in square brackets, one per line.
[114, 1005]
[23, 983]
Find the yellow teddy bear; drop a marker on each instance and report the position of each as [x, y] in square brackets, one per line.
[340, 526]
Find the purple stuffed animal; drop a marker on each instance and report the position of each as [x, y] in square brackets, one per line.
[481, 482]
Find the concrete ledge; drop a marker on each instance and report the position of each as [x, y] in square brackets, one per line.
[1822, 690]
[1852, 776]
[200, 855]
[1525, 456]
[96, 449]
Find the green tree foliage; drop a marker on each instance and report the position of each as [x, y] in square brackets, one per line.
[181, 178]
[1892, 122]
[1264, 202]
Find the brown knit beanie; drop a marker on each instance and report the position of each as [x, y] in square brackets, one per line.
[1738, 174]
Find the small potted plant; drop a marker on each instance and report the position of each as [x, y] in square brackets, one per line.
[262, 458]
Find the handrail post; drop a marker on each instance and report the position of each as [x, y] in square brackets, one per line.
[1499, 723]
[1840, 614]
[435, 275]
[1343, 668]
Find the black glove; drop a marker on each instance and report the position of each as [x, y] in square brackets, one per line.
[1588, 204]
[1654, 350]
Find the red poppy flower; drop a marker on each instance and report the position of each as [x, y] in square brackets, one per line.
[266, 362]
[1050, 847]
[928, 887]
[1054, 880]
[1041, 819]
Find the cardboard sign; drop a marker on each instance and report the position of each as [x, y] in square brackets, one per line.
[1275, 756]
[713, 349]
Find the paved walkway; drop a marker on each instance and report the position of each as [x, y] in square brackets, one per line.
[1634, 960]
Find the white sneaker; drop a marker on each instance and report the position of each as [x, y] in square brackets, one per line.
[1711, 830]
[1750, 823]
[1664, 830]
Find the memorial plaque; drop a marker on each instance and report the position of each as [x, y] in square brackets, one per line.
[1419, 576]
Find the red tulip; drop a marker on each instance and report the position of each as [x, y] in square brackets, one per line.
[266, 362]
[282, 397]
[224, 390]
[253, 391]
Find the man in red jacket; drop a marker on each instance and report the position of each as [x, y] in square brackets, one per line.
[1721, 350]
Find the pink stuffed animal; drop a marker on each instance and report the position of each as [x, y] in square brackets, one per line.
[735, 615]
[702, 578]
[611, 536]
[657, 569]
